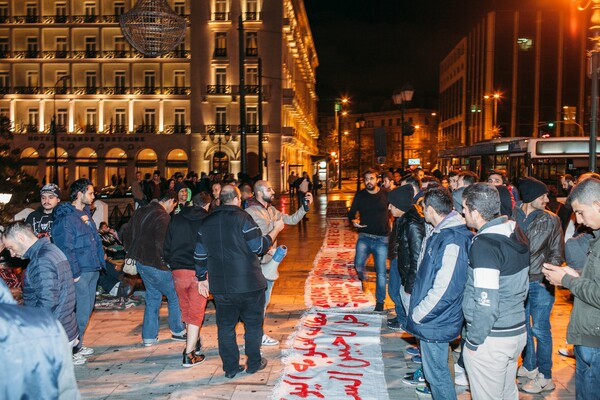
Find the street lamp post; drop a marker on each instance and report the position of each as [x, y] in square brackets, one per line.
[401, 97]
[340, 112]
[360, 123]
[53, 130]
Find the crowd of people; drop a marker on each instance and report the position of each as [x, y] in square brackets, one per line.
[479, 262]
[187, 241]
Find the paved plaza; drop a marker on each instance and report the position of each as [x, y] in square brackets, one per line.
[122, 368]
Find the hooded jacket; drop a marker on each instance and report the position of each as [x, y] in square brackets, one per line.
[546, 243]
[144, 235]
[48, 284]
[409, 232]
[497, 283]
[75, 233]
[435, 313]
[181, 238]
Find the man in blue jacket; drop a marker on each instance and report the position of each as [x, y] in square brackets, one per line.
[435, 313]
[75, 233]
[48, 281]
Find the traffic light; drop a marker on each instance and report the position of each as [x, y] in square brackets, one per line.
[551, 124]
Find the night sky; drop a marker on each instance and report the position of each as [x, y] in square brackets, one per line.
[367, 48]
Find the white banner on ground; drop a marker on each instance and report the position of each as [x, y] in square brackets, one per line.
[339, 235]
[334, 355]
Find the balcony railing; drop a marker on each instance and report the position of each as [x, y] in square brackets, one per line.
[178, 54]
[116, 129]
[221, 16]
[4, 54]
[4, 90]
[176, 90]
[219, 129]
[252, 16]
[115, 90]
[79, 90]
[218, 89]
[31, 128]
[85, 19]
[90, 129]
[145, 129]
[252, 52]
[26, 54]
[85, 54]
[220, 52]
[116, 54]
[178, 129]
[27, 90]
[77, 19]
[145, 90]
[252, 89]
[55, 54]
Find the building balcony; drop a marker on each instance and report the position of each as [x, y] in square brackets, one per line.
[178, 54]
[116, 129]
[31, 128]
[80, 90]
[55, 54]
[252, 52]
[27, 90]
[252, 16]
[178, 129]
[4, 90]
[116, 54]
[20, 54]
[252, 89]
[177, 90]
[145, 90]
[220, 52]
[25, 19]
[115, 90]
[218, 129]
[218, 89]
[85, 19]
[4, 54]
[79, 54]
[221, 16]
[146, 129]
[253, 128]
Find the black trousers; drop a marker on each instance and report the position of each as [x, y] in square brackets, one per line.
[231, 308]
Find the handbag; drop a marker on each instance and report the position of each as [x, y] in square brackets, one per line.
[130, 267]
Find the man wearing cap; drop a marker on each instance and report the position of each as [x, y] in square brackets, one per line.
[408, 233]
[182, 197]
[41, 219]
[546, 245]
[373, 227]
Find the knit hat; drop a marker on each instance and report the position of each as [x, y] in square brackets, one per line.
[179, 186]
[402, 197]
[51, 189]
[531, 189]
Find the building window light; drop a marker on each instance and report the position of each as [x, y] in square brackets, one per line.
[525, 44]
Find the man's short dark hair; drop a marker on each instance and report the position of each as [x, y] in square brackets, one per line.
[79, 186]
[369, 171]
[228, 193]
[102, 224]
[469, 177]
[586, 191]
[452, 174]
[439, 199]
[484, 198]
[568, 177]
[201, 199]
[412, 180]
[168, 195]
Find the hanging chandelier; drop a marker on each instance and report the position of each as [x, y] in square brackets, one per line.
[152, 27]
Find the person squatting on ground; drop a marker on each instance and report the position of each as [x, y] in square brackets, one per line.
[408, 232]
[265, 215]
[494, 297]
[27, 334]
[144, 238]
[75, 233]
[373, 227]
[435, 313]
[546, 244]
[583, 329]
[179, 246]
[48, 281]
[41, 219]
[226, 257]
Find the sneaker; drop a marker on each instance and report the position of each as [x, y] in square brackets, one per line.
[192, 359]
[538, 384]
[415, 378]
[413, 351]
[179, 338]
[198, 346]
[263, 365]
[423, 391]
[86, 351]
[269, 341]
[378, 307]
[568, 352]
[523, 372]
[417, 359]
[395, 326]
[78, 359]
[232, 374]
[460, 376]
[149, 342]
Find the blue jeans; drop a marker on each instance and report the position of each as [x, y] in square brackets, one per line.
[159, 283]
[587, 373]
[378, 246]
[538, 306]
[435, 369]
[231, 308]
[394, 287]
[85, 294]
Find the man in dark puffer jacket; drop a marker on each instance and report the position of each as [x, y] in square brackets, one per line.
[48, 279]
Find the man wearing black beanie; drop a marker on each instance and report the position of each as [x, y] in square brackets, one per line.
[546, 245]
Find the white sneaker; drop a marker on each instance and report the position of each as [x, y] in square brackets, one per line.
[78, 359]
[269, 341]
[460, 376]
[523, 372]
[539, 384]
[86, 351]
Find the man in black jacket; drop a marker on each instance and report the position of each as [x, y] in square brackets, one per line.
[179, 256]
[48, 281]
[229, 242]
[41, 219]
